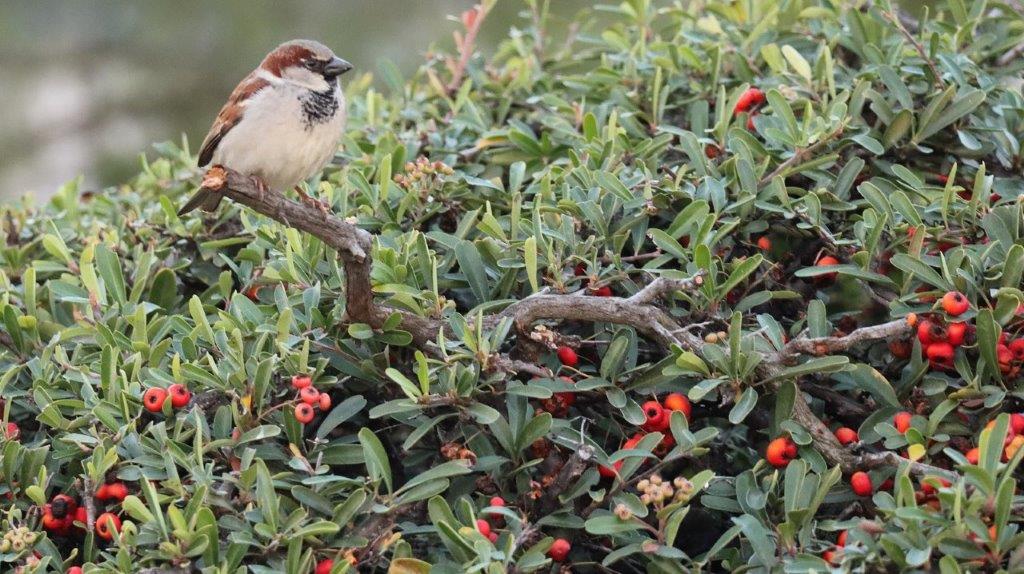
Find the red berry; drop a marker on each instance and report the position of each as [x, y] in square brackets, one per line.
[629, 444]
[74, 570]
[846, 435]
[679, 402]
[902, 421]
[483, 527]
[956, 333]
[497, 501]
[107, 524]
[1017, 423]
[860, 482]
[763, 243]
[301, 381]
[154, 399]
[309, 395]
[1016, 347]
[712, 151]
[103, 492]
[568, 356]
[493, 537]
[180, 396]
[603, 291]
[780, 452]
[841, 540]
[940, 355]
[931, 484]
[955, 303]
[657, 418]
[929, 332]
[749, 99]
[559, 549]
[303, 413]
[973, 455]
[324, 566]
[324, 401]
[117, 491]
[13, 432]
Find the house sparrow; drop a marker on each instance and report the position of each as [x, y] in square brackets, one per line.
[281, 124]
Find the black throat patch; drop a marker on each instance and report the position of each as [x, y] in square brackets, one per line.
[319, 107]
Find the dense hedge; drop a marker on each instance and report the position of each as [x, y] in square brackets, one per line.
[583, 160]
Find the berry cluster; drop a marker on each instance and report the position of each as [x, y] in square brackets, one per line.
[17, 540]
[423, 172]
[60, 514]
[484, 527]
[155, 397]
[657, 416]
[308, 398]
[657, 491]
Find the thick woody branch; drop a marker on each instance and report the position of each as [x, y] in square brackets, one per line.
[640, 311]
[833, 345]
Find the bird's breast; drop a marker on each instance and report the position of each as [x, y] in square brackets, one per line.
[285, 136]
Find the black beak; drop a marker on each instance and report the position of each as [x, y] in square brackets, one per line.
[336, 67]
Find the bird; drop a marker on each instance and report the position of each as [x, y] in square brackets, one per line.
[281, 124]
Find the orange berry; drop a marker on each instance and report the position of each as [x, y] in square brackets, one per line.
[956, 333]
[324, 401]
[679, 402]
[826, 261]
[303, 413]
[309, 395]
[301, 381]
[780, 452]
[763, 243]
[902, 421]
[955, 303]
[973, 455]
[107, 524]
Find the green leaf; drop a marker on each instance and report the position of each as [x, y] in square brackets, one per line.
[377, 463]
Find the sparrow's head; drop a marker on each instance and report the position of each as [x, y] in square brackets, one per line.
[306, 63]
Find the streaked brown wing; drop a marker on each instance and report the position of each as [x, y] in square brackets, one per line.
[230, 115]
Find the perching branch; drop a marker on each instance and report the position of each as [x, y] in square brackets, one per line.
[640, 311]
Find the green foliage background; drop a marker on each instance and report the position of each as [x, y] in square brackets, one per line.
[592, 153]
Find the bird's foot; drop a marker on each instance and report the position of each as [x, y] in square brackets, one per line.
[260, 185]
[320, 204]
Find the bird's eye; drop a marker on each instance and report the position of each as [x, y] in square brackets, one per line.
[310, 64]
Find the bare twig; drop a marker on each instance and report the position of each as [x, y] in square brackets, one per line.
[1011, 55]
[895, 20]
[833, 345]
[799, 156]
[87, 493]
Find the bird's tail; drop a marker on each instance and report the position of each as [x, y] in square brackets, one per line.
[203, 199]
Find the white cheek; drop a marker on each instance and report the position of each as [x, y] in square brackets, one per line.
[302, 77]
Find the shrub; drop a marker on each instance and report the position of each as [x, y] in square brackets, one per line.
[781, 263]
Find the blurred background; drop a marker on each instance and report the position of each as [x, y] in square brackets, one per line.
[88, 86]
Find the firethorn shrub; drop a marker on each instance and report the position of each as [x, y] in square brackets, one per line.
[671, 257]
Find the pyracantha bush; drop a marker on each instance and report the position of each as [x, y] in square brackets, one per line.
[719, 285]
